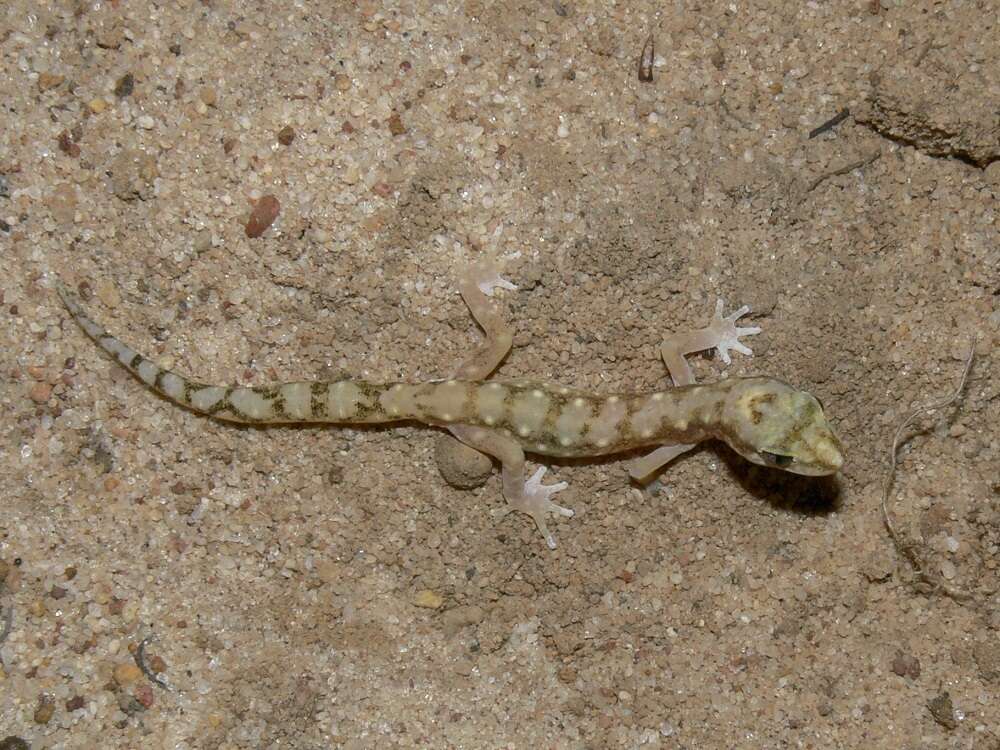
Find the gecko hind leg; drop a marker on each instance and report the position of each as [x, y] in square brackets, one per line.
[721, 334]
[640, 468]
[526, 495]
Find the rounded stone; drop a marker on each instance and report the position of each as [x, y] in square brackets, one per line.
[460, 465]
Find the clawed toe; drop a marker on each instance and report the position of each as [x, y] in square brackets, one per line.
[729, 333]
[535, 502]
[486, 275]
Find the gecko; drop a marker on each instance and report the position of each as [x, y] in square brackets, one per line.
[763, 419]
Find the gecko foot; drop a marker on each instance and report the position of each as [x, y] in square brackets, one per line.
[728, 334]
[534, 500]
[485, 274]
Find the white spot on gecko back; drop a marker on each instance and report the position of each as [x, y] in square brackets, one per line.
[605, 428]
[250, 404]
[528, 411]
[650, 415]
[343, 398]
[298, 400]
[125, 354]
[173, 386]
[570, 423]
[398, 400]
[147, 371]
[489, 402]
[446, 400]
[206, 398]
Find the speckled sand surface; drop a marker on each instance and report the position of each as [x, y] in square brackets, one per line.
[324, 587]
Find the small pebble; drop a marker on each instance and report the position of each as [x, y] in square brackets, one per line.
[342, 82]
[146, 122]
[107, 292]
[144, 694]
[428, 599]
[124, 86]
[66, 145]
[97, 105]
[126, 674]
[906, 665]
[45, 709]
[40, 392]
[286, 135]
[129, 705]
[943, 711]
[948, 569]
[264, 212]
[48, 81]
[75, 703]
[395, 123]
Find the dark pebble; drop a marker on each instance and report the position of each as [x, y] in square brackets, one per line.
[286, 135]
[943, 711]
[124, 86]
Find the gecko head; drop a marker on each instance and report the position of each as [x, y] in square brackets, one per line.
[773, 424]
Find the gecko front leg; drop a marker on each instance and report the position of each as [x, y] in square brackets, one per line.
[476, 286]
[526, 495]
[722, 334]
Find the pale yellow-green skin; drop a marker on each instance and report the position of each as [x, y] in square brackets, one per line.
[765, 420]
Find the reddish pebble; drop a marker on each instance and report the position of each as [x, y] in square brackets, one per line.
[396, 126]
[40, 392]
[383, 189]
[144, 694]
[347, 128]
[264, 212]
[66, 145]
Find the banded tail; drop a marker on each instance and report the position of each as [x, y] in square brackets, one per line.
[315, 401]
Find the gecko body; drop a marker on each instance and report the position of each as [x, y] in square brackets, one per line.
[765, 420]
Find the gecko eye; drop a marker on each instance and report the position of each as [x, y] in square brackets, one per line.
[776, 459]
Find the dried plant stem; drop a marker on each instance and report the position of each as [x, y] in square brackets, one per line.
[907, 547]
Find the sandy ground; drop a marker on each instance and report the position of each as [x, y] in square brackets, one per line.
[324, 587]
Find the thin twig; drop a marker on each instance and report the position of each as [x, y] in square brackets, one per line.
[906, 546]
[831, 123]
[140, 661]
